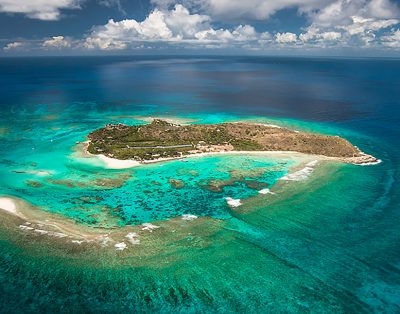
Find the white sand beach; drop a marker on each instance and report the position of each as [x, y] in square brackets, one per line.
[112, 163]
[9, 205]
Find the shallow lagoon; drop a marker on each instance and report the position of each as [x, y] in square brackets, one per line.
[47, 172]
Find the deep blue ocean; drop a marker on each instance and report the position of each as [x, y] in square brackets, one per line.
[331, 247]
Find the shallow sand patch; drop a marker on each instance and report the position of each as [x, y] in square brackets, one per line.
[8, 205]
[39, 173]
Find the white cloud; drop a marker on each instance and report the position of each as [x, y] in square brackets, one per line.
[38, 9]
[241, 33]
[340, 12]
[183, 24]
[211, 35]
[315, 34]
[14, 45]
[341, 23]
[251, 9]
[244, 33]
[331, 22]
[160, 25]
[392, 40]
[384, 9]
[331, 36]
[173, 26]
[58, 42]
[360, 25]
[285, 38]
[351, 22]
[325, 11]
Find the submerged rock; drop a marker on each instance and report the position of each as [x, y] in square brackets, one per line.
[178, 184]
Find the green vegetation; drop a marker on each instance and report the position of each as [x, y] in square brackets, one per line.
[246, 145]
[161, 139]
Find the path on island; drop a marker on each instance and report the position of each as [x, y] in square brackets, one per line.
[162, 147]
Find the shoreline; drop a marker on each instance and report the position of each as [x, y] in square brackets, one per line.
[117, 164]
[234, 138]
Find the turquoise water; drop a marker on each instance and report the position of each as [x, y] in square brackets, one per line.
[46, 172]
[328, 244]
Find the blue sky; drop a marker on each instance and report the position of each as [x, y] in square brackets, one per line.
[301, 27]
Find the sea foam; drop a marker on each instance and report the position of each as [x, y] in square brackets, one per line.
[372, 163]
[120, 246]
[104, 240]
[265, 191]
[301, 174]
[133, 238]
[233, 202]
[149, 227]
[25, 228]
[77, 241]
[189, 217]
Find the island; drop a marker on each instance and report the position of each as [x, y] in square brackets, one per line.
[161, 140]
[107, 228]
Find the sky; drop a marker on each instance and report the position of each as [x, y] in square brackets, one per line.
[292, 27]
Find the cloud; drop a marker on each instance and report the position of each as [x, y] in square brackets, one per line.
[285, 38]
[242, 33]
[172, 26]
[392, 40]
[314, 34]
[341, 12]
[351, 22]
[239, 9]
[38, 9]
[330, 23]
[57, 42]
[360, 25]
[14, 45]
[326, 13]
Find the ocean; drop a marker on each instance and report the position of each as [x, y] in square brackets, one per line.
[326, 243]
